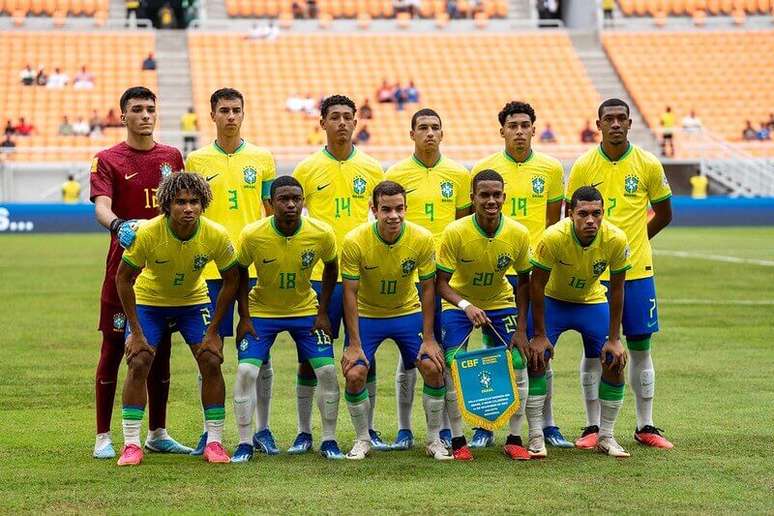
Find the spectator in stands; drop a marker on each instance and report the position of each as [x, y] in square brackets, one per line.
[83, 80]
[749, 133]
[692, 123]
[364, 112]
[771, 121]
[294, 103]
[9, 128]
[315, 136]
[8, 143]
[71, 190]
[311, 8]
[95, 131]
[547, 136]
[763, 133]
[268, 32]
[398, 96]
[81, 127]
[699, 184]
[112, 119]
[27, 76]
[95, 121]
[310, 106]
[384, 94]
[149, 63]
[412, 93]
[588, 135]
[41, 79]
[189, 124]
[452, 9]
[667, 132]
[132, 9]
[23, 128]
[362, 136]
[608, 6]
[298, 10]
[403, 6]
[58, 79]
[65, 128]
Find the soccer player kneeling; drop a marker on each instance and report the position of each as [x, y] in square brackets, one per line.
[172, 250]
[284, 249]
[567, 294]
[379, 262]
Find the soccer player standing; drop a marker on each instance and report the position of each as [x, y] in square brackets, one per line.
[534, 188]
[437, 193]
[630, 179]
[239, 174]
[124, 180]
[566, 294]
[378, 264]
[476, 252]
[172, 250]
[284, 248]
[337, 181]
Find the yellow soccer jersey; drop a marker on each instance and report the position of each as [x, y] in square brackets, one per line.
[172, 268]
[530, 186]
[576, 270]
[478, 263]
[433, 194]
[338, 192]
[284, 265]
[627, 185]
[387, 271]
[239, 183]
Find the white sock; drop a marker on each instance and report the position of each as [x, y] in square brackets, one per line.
[405, 383]
[610, 410]
[263, 389]
[548, 406]
[452, 409]
[328, 400]
[131, 431]
[244, 400]
[371, 387]
[535, 407]
[433, 406]
[590, 374]
[642, 378]
[214, 430]
[358, 411]
[304, 400]
[517, 419]
[159, 433]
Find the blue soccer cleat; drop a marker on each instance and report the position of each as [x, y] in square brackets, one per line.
[302, 444]
[482, 438]
[106, 451]
[199, 450]
[376, 441]
[264, 442]
[243, 453]
[330, 450]
[555, 438]
[167, 445]
[404, 441]
[445, 436]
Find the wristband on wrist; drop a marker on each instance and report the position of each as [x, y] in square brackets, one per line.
[463, 304]
[116, 224]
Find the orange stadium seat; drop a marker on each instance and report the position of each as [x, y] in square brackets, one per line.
[44, 108]
[690, 7]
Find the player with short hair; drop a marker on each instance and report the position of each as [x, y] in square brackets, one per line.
[566, 294]
[630, 179]
[284, 248]
[337, 181]
[476, 252]
[240, 175]
[534, 187]
[172, 251]
[124, 179]
[437, 193]
[379, 262]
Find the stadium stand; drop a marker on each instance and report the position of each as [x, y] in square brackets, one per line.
[467, 77]
[726, 76]
[690, 7]
[45, 107]
[54, 8]
[359, 8]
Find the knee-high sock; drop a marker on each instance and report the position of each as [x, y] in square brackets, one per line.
[642, 378]
[131, 419]
[433, 400]
[244, 399]
[371, 388]
[405, 383]
[590, 373]
[536, 404]
[359, 407]
[548, 405]
[106, 380]
[522, 383]
[611, 398]
[452, 409]
[305, 388]
[328, 399]
[263, 388]
[214, 421]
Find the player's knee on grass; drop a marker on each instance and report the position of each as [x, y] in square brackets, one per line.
[356, 378]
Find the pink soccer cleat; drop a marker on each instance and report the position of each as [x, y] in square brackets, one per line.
[131, 455]
[215, 453]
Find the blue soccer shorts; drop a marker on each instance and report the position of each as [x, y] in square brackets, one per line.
[640, 311]
[592, 321]
[226, 326]
[191, 321]
[457, 327]
[314, 347]
[405, 330]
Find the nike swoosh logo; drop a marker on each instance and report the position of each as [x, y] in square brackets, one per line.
[371, 267]
[651, 325]
[594, 185]
[209, 178]
[463, 260]
[162, 261]
[412, 190]
[321, 187]
[129, 176]
[560, 261]
[327, 402]
[269, 261]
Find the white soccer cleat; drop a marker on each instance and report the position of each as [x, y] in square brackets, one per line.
[537, 447]
[438, 451]
[103, 447]
[359, 451]
[609, 446]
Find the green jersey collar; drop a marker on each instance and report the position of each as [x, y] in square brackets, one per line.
[484, 233]
[172, 231]
[511, 158]
[334, 158]
[400, 235]
[242, 144]
[419, 161]
[629, 149]
[280, 233]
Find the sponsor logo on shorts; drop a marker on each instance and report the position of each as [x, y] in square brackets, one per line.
[243, 345]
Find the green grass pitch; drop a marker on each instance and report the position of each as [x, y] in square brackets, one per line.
[714, 396]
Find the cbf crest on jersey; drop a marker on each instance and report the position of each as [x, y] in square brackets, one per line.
[119, 321]
[165, 169]
[503, 262]
[599, 267]
[200, 261]
[407, 266]
[447, 190]
[358, 186]
[538, 185]
[251, 176]
[631, 183]
[307, 259]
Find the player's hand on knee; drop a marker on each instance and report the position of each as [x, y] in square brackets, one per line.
[323, 324]
[353, 355]
[539, 352]
[433, 351]
[613, 356]
[212, 343]
[521, 343]
[136, 344]
[477, 316]
[245, 326]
